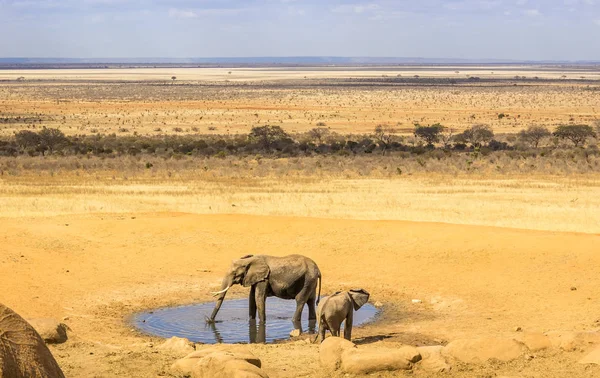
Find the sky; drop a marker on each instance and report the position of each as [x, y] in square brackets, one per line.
[470, 29]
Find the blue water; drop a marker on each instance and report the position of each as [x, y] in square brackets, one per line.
[232, 324]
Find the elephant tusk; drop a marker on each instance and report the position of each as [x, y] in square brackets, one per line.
[215, 293]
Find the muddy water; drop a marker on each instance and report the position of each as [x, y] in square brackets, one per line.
[232, 324]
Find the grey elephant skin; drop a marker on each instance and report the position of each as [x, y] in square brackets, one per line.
[337, 308]
[288, 277]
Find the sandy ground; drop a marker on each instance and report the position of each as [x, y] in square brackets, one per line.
[286, 73]
[95, 270]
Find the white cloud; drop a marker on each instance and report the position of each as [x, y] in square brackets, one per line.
[181, 13]
[532, 12]
[355, 8]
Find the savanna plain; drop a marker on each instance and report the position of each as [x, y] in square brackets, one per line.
[490, 246]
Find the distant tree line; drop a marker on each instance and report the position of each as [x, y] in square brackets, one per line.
[274, 141]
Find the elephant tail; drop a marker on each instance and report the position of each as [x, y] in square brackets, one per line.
[319, 294]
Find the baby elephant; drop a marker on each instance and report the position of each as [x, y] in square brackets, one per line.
[333, 310]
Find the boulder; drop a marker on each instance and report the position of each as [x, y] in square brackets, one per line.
[219, 361]
[330, 352]
[484, 349]
[23, 353]
[592, 357]
[51, 330]
[534, 341]
[432, 360]
[177, 345]
[367, 361]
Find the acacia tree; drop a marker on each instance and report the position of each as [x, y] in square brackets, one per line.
[533, 135]
[318, 133]
[47, 139]
[268, 136]
[28, 140]
[446, 136]
[51, 138]
[384, 136]
[430, 134]
[476, 135]
[577, 134]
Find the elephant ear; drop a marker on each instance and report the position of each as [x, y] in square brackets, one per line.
[359, 297]
[257, 271]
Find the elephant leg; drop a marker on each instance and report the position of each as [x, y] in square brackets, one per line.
[301, 298]
[335, 331]
[298, 313]
[312, 313]
[322, 329]
[260, 296]
[252, 303]
[348, 326]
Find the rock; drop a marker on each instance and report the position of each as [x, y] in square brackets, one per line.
[432, 360]
[534, 341]
[592, 357]
[378, 304]
[177, 345]
[23, 352]
[570, 341]
[295, 333]
[484, 349]
[330, 352]
[51, 330]
[222, 361]
[518, 329]
[367, 361]
[416, 301]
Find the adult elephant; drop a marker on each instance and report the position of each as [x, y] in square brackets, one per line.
[289, 277]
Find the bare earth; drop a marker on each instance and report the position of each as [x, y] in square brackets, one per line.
[96, 269]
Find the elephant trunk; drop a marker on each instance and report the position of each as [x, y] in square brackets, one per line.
[227, 282]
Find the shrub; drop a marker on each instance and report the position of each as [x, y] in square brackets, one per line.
[268, 137]
[476, 135]
[429, 134]
[318, 133]
[383, 135]
[533, 135]
[577, 134]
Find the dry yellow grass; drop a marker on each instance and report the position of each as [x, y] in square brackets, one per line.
[537, 202]
[212, 101]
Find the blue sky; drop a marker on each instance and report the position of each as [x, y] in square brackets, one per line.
[499, 29]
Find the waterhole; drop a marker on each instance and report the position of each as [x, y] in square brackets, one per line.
[232, 324]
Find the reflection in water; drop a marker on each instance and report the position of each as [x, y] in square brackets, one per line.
[213, 327]
[232, 324]
[257, 332]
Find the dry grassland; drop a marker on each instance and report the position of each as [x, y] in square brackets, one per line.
[537, 202]
[213, 101]
[488, 249]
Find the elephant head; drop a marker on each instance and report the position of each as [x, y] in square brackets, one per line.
[359, 297]
[247, 271]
